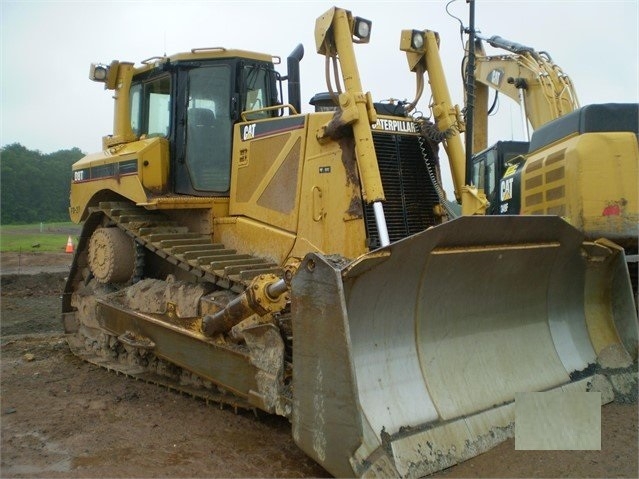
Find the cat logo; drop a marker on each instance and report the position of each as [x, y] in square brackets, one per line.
[506, 190]
[248, 132]
[495, 76]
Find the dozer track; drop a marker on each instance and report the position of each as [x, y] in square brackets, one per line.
[170, 382]
[405, 360]
[194, 253]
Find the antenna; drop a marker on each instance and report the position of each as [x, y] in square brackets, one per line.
[470, 91]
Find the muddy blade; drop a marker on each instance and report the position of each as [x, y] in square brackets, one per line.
[407, 360]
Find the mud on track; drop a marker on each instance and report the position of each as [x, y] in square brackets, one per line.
[61, 417]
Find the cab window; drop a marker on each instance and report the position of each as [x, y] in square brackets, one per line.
[484, 174]
[136, 109]
[256, 85]
[150, 107]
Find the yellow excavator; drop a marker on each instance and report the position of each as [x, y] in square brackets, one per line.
[303, 265]
[581, 163]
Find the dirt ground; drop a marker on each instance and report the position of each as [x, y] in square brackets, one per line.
[62, 417]
[33, 263]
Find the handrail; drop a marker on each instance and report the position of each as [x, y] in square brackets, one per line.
[269, 108]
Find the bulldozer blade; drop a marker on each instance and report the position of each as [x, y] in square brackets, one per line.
[407, 360]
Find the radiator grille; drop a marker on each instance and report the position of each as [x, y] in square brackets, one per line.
[410, 194]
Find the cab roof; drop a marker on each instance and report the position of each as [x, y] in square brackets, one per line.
[207, 53]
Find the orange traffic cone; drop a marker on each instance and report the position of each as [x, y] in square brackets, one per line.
[69, 246]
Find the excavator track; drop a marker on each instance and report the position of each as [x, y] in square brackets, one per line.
[188, 251]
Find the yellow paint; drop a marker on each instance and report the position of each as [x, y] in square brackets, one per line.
[252, 237]
[265, 177]
[549, 92]
[333, 36]
[597, 296]
[154, 165]
[587, 179]
[152, 157]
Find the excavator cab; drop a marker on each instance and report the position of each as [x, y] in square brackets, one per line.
[489, 166]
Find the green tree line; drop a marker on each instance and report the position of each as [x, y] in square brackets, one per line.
[34, 186]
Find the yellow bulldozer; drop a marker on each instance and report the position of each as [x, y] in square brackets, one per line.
[304, 264]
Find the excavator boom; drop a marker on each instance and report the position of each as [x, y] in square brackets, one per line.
[541, 88]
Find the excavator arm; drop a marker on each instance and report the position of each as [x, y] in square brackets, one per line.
[529, 77]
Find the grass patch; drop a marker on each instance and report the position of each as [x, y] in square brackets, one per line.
[49, 237]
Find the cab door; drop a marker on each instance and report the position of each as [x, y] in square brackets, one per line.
[202, 159]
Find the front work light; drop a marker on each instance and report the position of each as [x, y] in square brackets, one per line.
[412, 41]
[98, 72]
[362, 30]
[417, 40]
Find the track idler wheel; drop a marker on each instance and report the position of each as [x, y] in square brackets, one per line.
[111, 255]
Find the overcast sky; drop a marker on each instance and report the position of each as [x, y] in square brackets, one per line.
[48, 103]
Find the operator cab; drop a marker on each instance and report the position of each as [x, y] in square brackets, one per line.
[194, 103]
[489, 166]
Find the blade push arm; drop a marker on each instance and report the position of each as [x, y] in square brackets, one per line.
[335, 32]
[422, 51]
